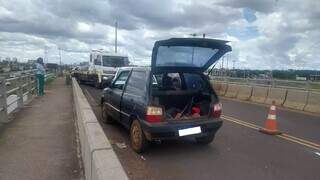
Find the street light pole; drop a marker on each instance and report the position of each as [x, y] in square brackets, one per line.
[116, 37]
[60, 61]
[45, 54]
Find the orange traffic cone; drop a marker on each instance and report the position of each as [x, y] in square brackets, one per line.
[271, 122]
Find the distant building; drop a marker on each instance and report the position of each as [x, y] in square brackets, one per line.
[31, 61]
[52, 67]
[299, 78]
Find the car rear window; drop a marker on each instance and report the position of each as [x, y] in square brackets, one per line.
[184, 56]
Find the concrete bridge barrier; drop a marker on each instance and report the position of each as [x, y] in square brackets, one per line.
[244, 92]
[296, 99]
[313, 102]
[99, 159]
[276, 94]
[259, 94]
[232, 90]
[223, 89]
[215, 85]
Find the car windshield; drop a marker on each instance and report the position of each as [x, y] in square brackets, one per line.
[184, 56]
[114, 61]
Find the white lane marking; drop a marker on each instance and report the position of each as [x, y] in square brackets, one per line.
[283, 136]
[317, 153]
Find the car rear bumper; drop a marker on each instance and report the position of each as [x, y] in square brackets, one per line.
[170, 130]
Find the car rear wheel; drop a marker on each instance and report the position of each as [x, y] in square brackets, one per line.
[205, 139]
[105, 116]
[139, 142]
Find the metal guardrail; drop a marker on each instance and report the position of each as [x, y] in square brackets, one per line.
[287, 84]
[21, 86]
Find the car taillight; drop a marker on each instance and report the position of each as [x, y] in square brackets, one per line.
[154, 114]
[216, 110]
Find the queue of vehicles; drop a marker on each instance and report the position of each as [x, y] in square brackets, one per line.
[172, 99]
[101, 68]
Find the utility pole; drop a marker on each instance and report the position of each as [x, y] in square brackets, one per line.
[222, 65]
[60, 56]
[234, 61]
[227, 61]
[227, 68]
[60, 73]
[116, 37]
[46, 54]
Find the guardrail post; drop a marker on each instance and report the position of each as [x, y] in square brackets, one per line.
[33, 84]
[3, 101]
[273, 83]
[20, 92]
[29, 87]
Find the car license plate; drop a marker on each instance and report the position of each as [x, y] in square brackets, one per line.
[189, 131]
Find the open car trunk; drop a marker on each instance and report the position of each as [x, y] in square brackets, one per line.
[179, 86]
[190, 98]
[178, 107]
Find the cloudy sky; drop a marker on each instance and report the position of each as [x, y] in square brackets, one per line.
[264, 34]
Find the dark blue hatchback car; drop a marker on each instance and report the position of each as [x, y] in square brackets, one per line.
[171, 99]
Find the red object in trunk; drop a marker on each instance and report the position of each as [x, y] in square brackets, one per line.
[195, 110]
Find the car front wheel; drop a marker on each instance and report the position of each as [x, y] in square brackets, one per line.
[139, 142]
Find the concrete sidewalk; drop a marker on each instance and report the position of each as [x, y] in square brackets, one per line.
[40, 142]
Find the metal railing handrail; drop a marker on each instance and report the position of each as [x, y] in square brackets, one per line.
[21, 86]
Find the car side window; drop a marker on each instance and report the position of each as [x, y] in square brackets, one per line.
[121, 80]
[137, 83]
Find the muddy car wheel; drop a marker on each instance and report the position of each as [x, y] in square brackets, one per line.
[205, 140]
[105, 117]
[139, 142]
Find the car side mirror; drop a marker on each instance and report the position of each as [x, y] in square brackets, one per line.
[107, 84]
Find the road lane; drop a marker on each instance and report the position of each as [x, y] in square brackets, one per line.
[238, 152]
[294, 123]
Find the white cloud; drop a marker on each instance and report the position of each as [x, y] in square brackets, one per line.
[285, 34]
[83, 27]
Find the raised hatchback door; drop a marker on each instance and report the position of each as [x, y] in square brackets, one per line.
[187, 54]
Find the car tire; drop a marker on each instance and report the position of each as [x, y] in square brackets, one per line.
[105, 116]
[139, 142]
[205, 139]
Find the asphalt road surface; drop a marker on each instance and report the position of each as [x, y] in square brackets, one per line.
[239, 151]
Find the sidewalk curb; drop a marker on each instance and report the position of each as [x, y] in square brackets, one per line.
[99, 159]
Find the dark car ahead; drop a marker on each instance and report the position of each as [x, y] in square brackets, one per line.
[172, 99]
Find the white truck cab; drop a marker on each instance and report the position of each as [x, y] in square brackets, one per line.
[102, 67]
